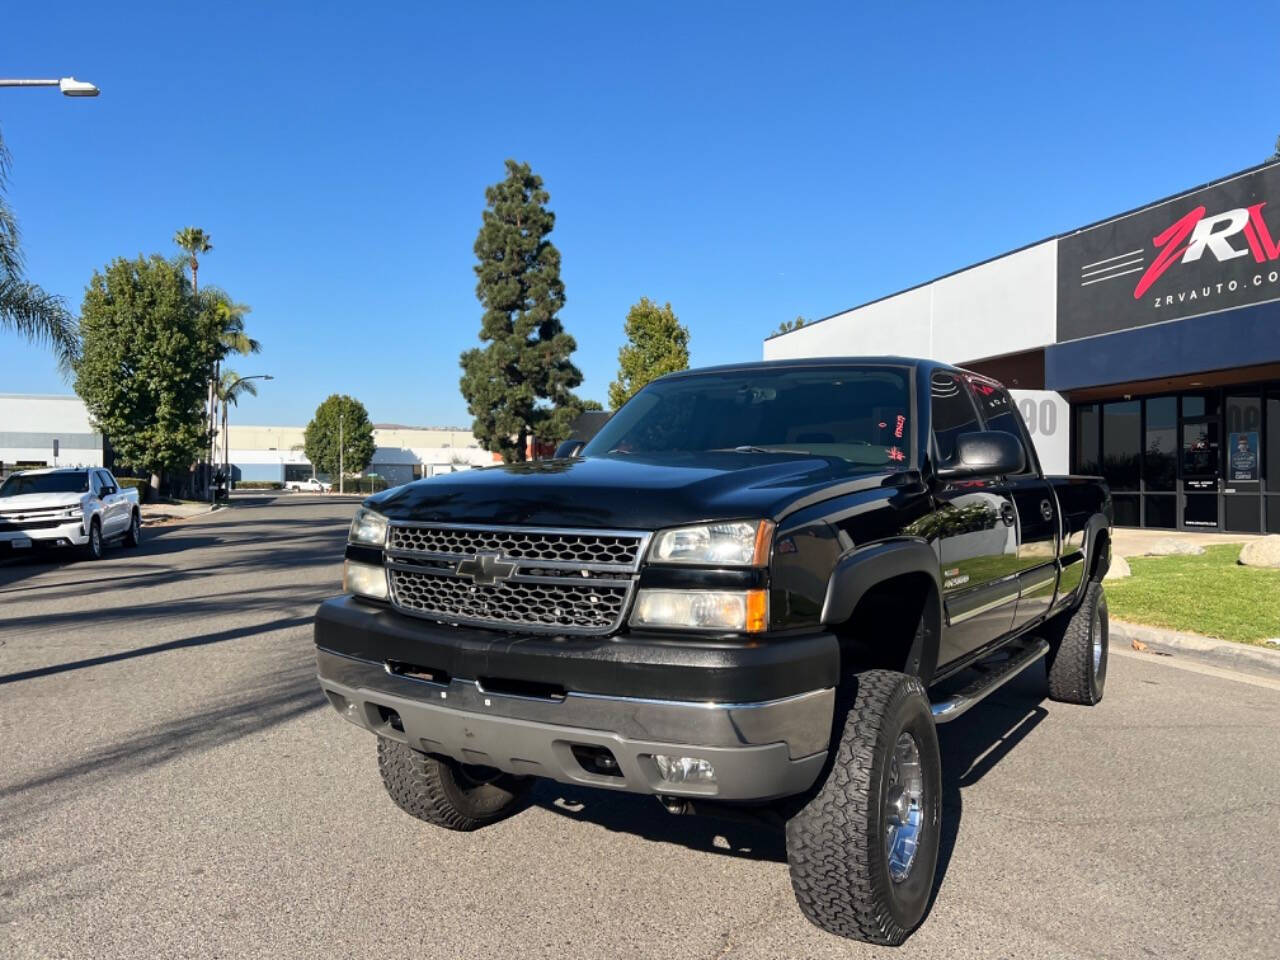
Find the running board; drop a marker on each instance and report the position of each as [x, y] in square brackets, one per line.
[993, 678]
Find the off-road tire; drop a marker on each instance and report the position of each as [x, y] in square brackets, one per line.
[836, 843]
[1075, 675]
[445, 793]
[93, 549]
[133, 536]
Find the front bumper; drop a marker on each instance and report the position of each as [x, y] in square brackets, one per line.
[18, 541]
[611, 696]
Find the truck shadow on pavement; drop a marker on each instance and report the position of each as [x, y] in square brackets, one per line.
[972, 746]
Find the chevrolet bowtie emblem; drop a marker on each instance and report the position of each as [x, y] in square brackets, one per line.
[486, 568]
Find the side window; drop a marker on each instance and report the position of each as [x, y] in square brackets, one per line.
[953, 413]
[104, 479]
[1001, 413]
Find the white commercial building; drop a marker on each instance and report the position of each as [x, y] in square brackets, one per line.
[46, 431]
[401, 454]
[38, 430]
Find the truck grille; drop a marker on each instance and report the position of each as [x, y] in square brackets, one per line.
[547, 581]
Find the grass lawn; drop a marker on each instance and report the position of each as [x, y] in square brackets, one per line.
[1210, 594]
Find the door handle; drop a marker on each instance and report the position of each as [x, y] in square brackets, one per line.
[1007, 514]
[1046, 509]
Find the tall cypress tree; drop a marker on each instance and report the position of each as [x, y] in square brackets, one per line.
[521, 384]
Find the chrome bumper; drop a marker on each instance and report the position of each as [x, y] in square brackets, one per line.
[759, 750]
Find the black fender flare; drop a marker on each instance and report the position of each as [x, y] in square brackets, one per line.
[863, 568]
[1097, 524]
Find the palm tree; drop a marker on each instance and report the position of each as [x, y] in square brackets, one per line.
[196, 243]
[230, 389]
[227, 317]
[25, 308]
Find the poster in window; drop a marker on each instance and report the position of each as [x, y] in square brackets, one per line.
[1242, 455]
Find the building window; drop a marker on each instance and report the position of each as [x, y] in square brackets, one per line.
[1160, 458]
[1087, 438]
[1122, 444]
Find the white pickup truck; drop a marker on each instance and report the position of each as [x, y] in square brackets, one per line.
[310, 485]
[67, 507]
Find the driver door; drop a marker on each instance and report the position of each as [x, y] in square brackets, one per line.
[975, 533]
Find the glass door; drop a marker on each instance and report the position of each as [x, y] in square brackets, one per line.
[1200, 473]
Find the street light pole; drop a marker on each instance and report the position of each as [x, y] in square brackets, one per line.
[341, 463]
[70, 86]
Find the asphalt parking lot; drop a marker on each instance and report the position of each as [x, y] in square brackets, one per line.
[173, 784]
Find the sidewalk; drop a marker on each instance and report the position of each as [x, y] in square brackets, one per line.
[159, 513]
[1134, 542]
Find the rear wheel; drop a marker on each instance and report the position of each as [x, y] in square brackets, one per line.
[1077, 659]
[93, 549]
[863, 850]
[446, 793]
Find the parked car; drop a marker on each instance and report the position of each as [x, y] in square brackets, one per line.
[756, 590]
[82, 507]
[310, 485]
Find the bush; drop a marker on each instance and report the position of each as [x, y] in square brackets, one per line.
[142, 486]
[259, 485]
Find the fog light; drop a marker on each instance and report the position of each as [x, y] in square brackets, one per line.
[364, 579]
[684, 769]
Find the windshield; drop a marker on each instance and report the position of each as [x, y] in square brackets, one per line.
[858, 414]
[19, 484]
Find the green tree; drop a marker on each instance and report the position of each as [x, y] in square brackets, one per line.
[520, 385]
[195, 243]
[25, 308]
[657, 344]
[144, 364]
[786, 326]
[339, 438]
[1276, 155]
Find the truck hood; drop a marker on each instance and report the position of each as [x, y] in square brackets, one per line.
[628, 492]
[38, 501]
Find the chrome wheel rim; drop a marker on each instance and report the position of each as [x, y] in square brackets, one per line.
[95, 540]
[905, 811]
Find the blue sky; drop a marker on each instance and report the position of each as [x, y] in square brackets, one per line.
[746, 162]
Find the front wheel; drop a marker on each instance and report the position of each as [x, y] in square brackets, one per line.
[863, 850]
[446, 793]
[93, 549]
[133, 536]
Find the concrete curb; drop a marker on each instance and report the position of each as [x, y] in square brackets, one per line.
[1240, 657]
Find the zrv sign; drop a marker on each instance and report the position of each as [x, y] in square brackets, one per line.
[1207, 251]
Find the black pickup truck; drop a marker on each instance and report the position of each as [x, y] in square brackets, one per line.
[758, 588]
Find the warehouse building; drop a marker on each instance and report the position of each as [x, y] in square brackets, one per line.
[401, 454]
[1145, 348]
[38, 430]
[48, 431]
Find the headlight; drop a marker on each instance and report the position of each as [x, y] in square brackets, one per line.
[368, 526]
[364, 579]
[734, 544]
[745, 611]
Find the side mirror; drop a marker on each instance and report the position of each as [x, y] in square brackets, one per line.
[570, 448]
[986, 454]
